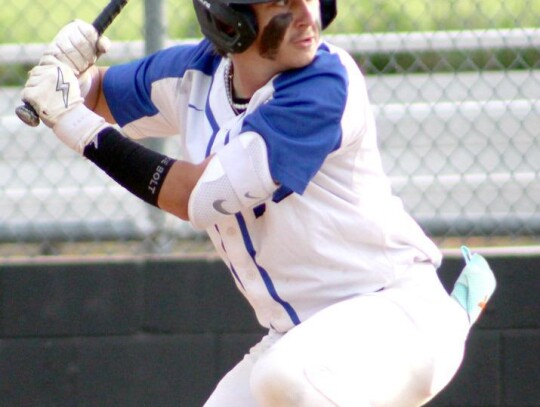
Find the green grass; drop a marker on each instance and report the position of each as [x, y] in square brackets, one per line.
[27, 21]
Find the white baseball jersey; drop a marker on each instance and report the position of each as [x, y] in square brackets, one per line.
[333, 229]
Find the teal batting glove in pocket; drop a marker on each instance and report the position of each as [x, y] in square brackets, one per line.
[475, 285]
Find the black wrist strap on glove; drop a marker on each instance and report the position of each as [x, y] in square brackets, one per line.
[138, 169]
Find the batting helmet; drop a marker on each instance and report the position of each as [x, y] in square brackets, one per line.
[231, 26]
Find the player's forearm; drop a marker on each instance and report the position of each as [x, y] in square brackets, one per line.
[153, 177]
[95, 98]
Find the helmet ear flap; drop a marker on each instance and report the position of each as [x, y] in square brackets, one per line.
[248, 16]
[231, 29]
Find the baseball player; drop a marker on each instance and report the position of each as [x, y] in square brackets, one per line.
[280, 166]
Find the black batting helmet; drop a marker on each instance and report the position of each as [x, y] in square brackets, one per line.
[230, 24]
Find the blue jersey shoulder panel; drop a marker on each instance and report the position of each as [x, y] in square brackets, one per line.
[127, 87]
[301, 124]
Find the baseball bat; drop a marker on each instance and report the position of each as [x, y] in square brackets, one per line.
[26, 112]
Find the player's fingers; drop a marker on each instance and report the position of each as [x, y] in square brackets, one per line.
[64, 51]
[93, 45]
[75, 45]
[33, 78]
[88, 41]
[103, 45]
[82, 45]
[34, 85]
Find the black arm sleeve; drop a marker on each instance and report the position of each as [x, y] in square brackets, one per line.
[138, 169]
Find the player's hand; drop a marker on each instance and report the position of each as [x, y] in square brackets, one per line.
[78, 45]
[53, 91]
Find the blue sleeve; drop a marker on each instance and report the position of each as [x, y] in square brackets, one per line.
[127, 87]
[301, 124]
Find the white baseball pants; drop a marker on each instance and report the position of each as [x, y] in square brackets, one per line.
[394, 348]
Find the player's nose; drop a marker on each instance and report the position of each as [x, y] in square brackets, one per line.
[304, 12]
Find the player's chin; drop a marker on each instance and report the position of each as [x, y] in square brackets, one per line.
[303, 60]
[299, 57]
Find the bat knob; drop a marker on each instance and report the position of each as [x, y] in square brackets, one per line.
[28, 115]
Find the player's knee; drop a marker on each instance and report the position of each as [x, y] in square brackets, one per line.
[274, 382]
[279, 380]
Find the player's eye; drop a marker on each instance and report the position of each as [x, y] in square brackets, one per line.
[281, 3]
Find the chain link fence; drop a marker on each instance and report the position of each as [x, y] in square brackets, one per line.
[455, 89]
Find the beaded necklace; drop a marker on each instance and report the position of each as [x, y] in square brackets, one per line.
[228, 72]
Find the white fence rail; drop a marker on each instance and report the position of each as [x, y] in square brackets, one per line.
[461, 148]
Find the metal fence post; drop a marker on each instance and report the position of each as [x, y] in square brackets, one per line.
[155, 25]
[155, 35]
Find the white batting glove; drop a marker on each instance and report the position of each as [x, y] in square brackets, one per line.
[53, 91]
[78, 45]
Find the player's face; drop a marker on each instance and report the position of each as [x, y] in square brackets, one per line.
[289, 31]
